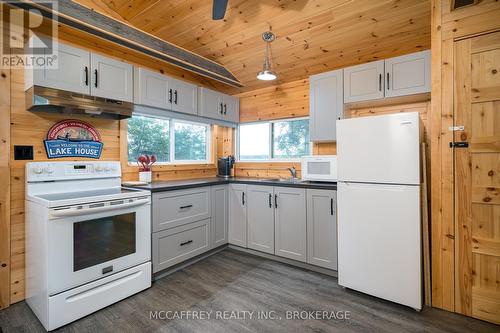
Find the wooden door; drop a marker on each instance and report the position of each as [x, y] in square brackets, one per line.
[72, 72]
[364, 82]
[290, 223]
[322, 228]
[260, 218]
[326, 105]
[185, 97]
[409, 74]
[477, 177]
[237, 224]
[219, 215]
[111, 78]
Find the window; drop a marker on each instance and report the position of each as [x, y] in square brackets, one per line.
[283, 139]
[172, 141]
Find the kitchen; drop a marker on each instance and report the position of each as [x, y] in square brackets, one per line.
[284, 166]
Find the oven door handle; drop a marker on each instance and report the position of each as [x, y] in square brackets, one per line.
[85, 211]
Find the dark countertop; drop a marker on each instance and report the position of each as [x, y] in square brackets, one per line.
[170, 185]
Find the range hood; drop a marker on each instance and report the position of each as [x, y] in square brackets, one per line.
[42, 99]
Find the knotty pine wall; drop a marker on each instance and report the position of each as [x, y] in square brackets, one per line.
[292, 100]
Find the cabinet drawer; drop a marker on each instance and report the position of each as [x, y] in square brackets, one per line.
[175, 245]
[172, 209]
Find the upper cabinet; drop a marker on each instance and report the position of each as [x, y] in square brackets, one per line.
[400, 76]
[111, 78]
[161, 91]
[407, 75]
[212, 104]
[86, 73]
[364, 82]
[326, 105]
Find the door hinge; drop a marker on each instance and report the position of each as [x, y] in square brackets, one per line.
[460, 144]
[456, 128]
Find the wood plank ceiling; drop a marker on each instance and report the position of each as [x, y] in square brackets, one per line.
[313, 36]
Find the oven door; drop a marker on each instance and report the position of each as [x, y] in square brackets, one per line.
[88, 242]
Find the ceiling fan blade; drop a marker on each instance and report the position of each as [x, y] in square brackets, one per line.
[219, 9]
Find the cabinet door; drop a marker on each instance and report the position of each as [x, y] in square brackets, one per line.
[231, 108]
[408, 74]
[260, 218]
[290, 223]
[111, 78]
[210, 103]
[326, 105]
[237, 228]
[219, 215]
[151, 89]
[364, 82]
[322, 228]
[72, 73]
[185, 97]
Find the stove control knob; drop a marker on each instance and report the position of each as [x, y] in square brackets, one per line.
[48, 170]
[37, 170]
[98, 168]
[107, 168]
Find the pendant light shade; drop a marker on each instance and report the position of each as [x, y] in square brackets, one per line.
[267, 74]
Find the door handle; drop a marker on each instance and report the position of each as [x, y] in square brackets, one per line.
[86, 76]
[275, 201]
[186, 242]
[387, 81]
[270, 200]
[175, 96]
[221, 111]
[225, 109]
[380, 82]
[331, 206]
[95, 83]
[184, 207]
[170, 95]
[243, 198]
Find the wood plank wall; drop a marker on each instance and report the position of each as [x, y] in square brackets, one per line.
[292, 100]
[22, 127]
[447, 27]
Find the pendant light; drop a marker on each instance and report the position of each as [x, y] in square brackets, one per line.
[267, 74]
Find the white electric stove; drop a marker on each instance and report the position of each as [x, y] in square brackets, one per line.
[88, 240]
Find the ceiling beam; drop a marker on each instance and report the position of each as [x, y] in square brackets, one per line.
[82, 18]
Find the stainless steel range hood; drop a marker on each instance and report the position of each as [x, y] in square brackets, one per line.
[42, 99]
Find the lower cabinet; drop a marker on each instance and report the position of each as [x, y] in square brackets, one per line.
[219, 215]
[175, 245]
[260, 218]
[322, 228]
[237, 229]
[290, 223]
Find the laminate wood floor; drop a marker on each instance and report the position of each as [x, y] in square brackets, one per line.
[232, 281]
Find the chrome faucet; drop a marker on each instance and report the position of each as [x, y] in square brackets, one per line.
[293, 171]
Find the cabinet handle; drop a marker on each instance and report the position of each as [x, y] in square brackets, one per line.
[170, 95]
[275, 201]
[221, 111]
[186, 242]
[187, 206]
[175, 97]
[331, 206]
[380, 82]
[86, 76]
[225, 109]
[387, 81]
[95, 83]
[270, 200]
[243, 198]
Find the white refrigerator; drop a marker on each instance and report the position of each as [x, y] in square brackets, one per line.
[379, 237]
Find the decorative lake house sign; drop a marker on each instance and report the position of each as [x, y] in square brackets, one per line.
[73, 138]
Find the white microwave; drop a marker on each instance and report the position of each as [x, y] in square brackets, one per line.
[322, 168]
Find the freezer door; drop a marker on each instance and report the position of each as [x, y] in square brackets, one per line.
[379, 149]
[379, 243]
